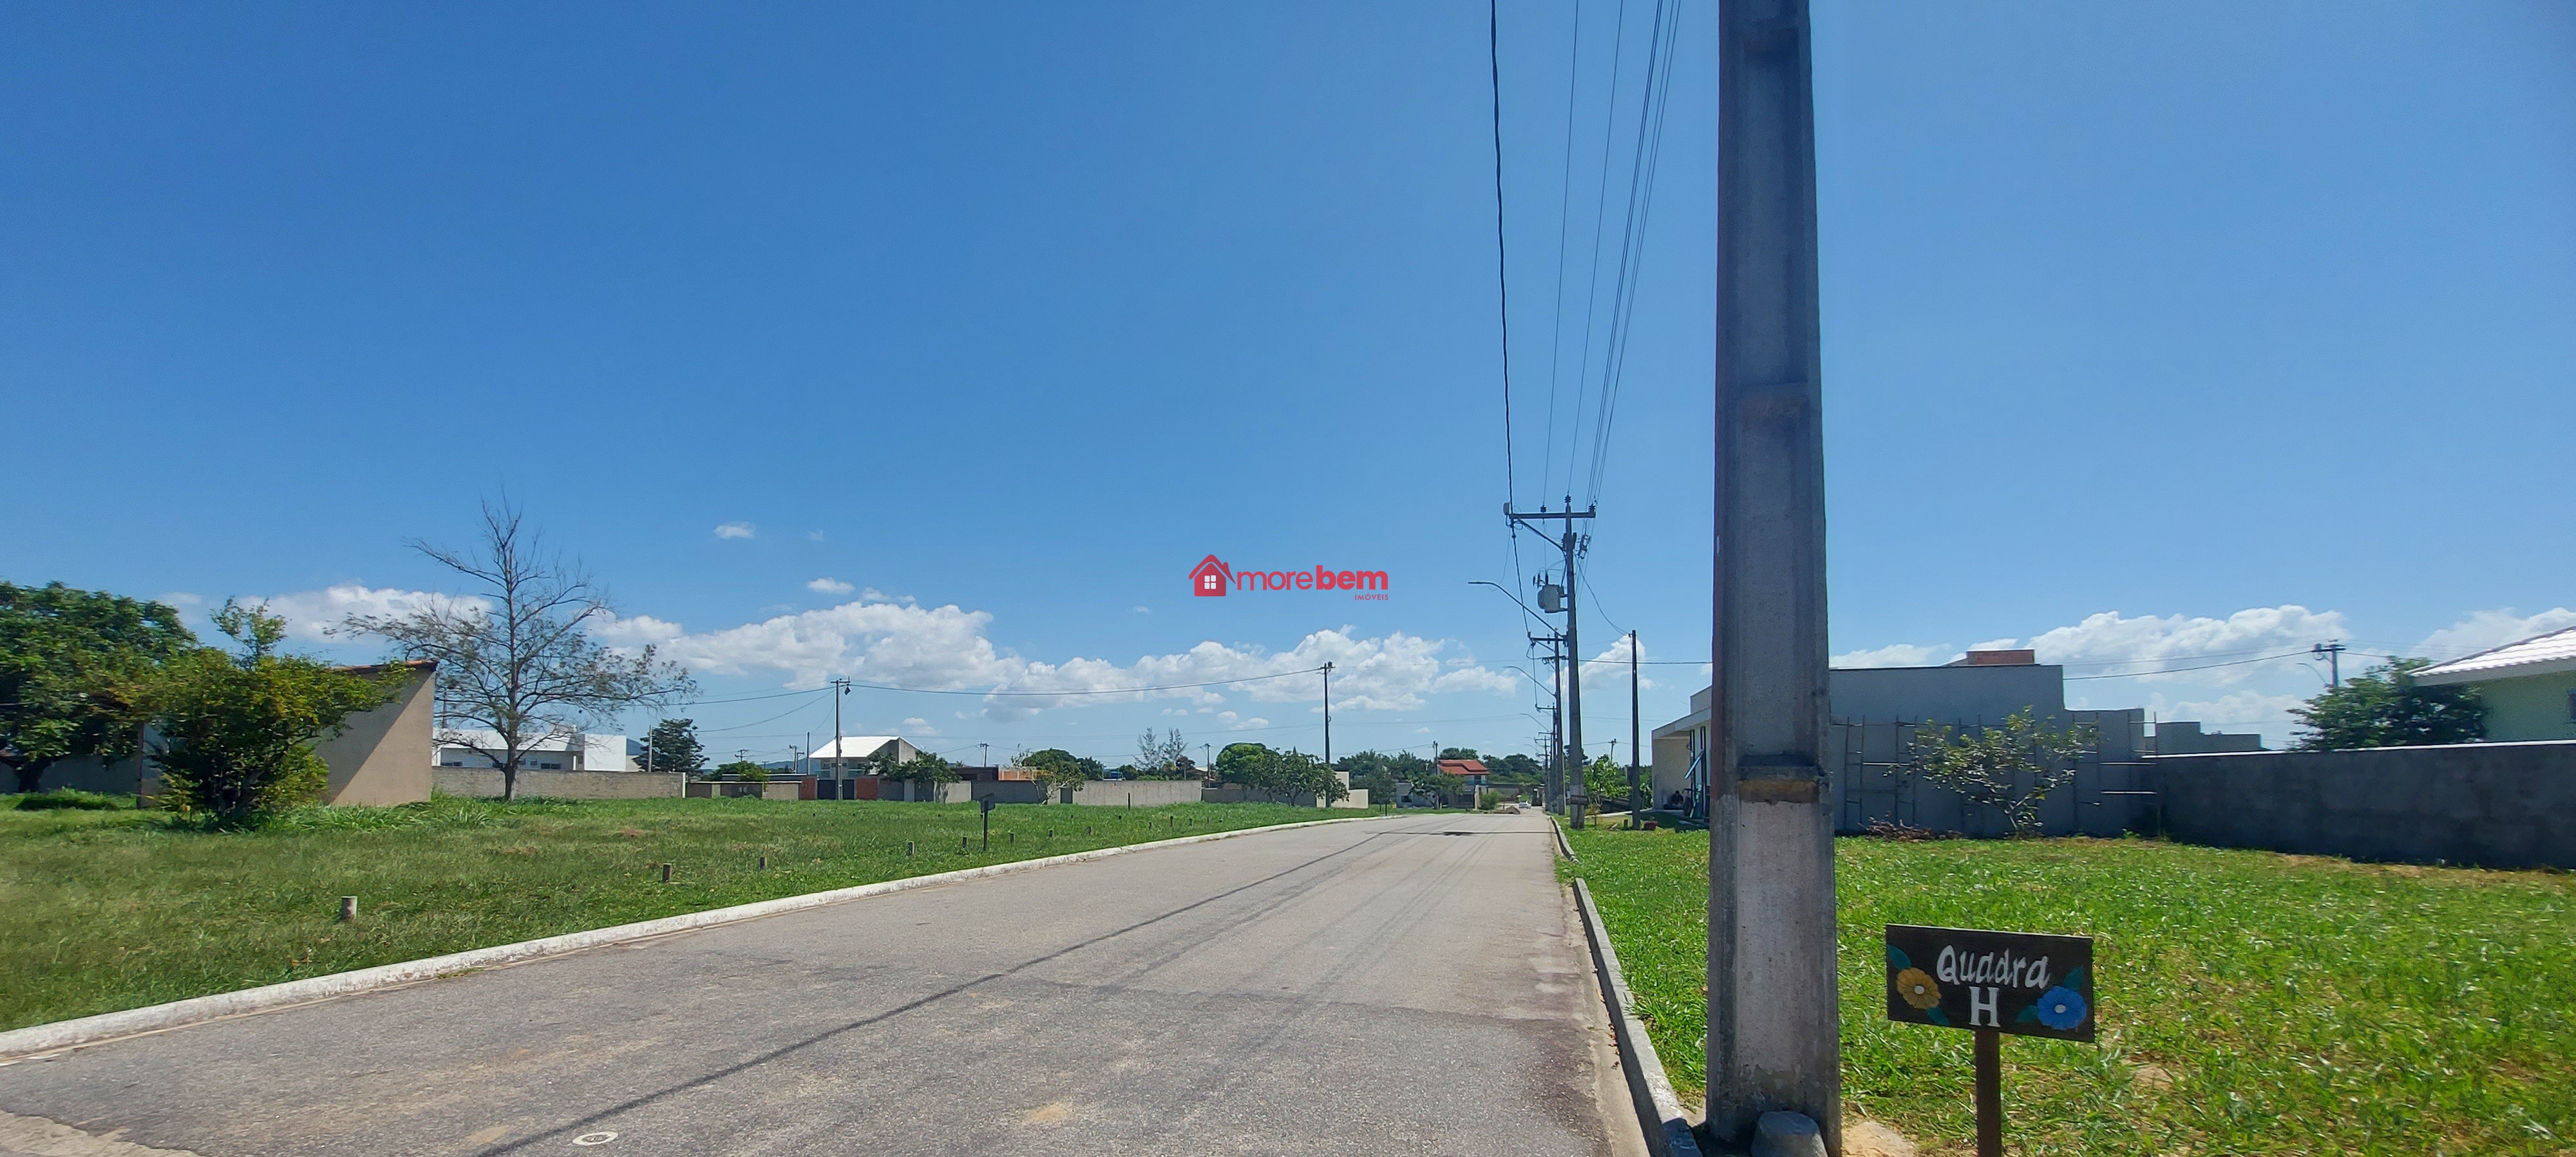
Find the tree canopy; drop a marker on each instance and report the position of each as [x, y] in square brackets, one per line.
[2386, 707]
[1058, 768]
[69, 661]
[1278, 773]
[673, 746]
[237, 731]
[1378, 773]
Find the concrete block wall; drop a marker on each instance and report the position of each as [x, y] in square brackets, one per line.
[1140, 792]
[485, 782]
[2493, 805]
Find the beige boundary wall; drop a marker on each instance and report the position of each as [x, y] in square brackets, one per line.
[1141, 792]
[485, 783]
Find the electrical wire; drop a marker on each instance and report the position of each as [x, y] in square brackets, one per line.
[1502, 263]
[1645, 161]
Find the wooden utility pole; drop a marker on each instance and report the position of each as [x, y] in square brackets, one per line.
[1773, 1042]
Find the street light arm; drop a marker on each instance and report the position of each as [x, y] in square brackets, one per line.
[1516, 600]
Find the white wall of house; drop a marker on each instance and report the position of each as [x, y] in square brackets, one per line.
[579, 751]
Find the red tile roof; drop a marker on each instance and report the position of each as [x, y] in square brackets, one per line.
[1462, 767]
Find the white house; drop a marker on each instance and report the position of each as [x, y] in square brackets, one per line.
[579, 751]
[857, 754]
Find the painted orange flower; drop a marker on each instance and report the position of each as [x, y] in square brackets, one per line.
[1917, 989]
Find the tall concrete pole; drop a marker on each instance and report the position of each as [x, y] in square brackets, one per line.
[1573, 670]
[1772, 1019]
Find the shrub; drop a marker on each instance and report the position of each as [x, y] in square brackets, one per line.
[64, 798]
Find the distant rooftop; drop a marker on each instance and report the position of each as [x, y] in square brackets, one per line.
[2021, 658]
[851, 747]
[2538, 655]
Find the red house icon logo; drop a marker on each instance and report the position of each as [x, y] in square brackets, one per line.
[1210, 578]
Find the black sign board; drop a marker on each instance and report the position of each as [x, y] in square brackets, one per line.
[2007, 982]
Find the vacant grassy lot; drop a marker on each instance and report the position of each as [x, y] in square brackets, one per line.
[103, 910]
[2249, 1002]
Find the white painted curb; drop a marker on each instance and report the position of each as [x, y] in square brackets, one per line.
[63, 1034]
[1668, 1133]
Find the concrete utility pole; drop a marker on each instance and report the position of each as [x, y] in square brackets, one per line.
[1328, 717]
[1572, 692]
[840, 761]
[1634, 720]
[1556, 726]
[2333, 652]
[1772, 1028]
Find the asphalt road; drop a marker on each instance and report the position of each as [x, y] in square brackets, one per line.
[1413, 985]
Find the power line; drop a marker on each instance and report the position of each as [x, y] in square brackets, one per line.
[1564, 215]
[1643, 164]
[1502, 263]
[2179, 670]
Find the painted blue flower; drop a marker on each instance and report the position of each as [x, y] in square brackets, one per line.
[2060, 1008]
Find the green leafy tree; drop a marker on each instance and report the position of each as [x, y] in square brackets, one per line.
[69, 660]
[516, 659]
[1519, 770]
[2012, 767]
[2386, 707]
[742, 769]
[1059, 769]
[1277, 774]
[236, 732]
[924, 771]
[1606, 781]
[672, 745]
[1378, 773]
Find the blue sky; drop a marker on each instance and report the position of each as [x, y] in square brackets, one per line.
[2205, 330]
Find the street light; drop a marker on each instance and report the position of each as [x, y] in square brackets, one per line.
[1516, 599]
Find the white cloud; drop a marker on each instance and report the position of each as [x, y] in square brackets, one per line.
[618, 630]
[829, 586]
[1142, 610]
[736, 530]
[1897, 655]
[814, 536]
[919, 726]
[316, 615]
[2110, 641]
[880, 640]
[181, 599]
[2242, 710]
[2485, 629]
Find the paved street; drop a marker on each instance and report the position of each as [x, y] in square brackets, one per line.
[1412, 985]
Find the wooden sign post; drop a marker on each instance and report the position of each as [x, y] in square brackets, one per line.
[1992, 983]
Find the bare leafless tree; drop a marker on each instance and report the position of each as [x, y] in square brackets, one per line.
[517, 660]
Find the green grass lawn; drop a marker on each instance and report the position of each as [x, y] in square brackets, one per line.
[107, 910]
[2249, 1002]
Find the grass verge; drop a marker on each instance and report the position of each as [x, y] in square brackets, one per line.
[109, 910]
[2250, 1002]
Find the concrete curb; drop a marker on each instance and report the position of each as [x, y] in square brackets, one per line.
[64, 1034]
[1562, 848]
[1668, 1133]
